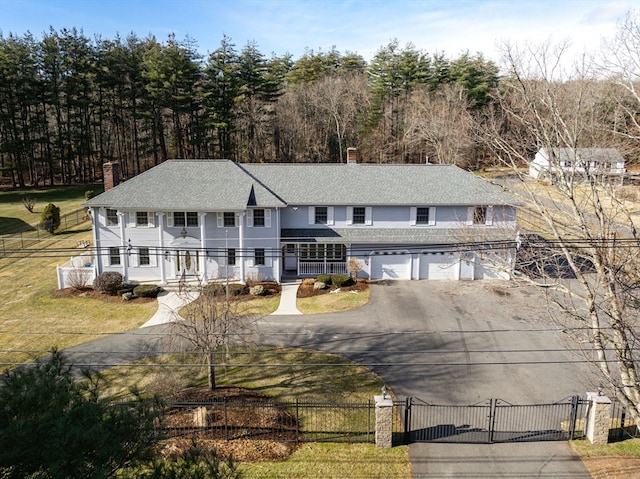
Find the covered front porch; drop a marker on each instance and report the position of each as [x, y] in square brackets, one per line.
[312, 259]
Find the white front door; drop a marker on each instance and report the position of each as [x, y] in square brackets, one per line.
[467, 266]
[187, 262]
[290, 259]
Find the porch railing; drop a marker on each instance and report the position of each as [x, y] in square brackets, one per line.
[309, 268]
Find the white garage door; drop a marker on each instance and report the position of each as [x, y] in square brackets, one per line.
[391, 265]
[439, 266]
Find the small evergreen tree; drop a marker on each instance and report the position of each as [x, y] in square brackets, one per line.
[52, 426]
[50, 218]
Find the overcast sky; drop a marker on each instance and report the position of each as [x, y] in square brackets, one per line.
[359, 26]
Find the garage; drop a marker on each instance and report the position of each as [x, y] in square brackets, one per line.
[439, 265]
[390, 265]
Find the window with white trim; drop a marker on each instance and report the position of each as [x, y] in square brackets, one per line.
[185, 219]
[423, 216]
[231, 256]
[114, 256]
[144, 258]
[112, 217]
[259, 257]
[258, 217]
[226, 219]
[358, 217]
[142, 218]
[321, 215]
[480, 215]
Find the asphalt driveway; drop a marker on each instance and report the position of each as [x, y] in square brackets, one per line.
[456, 343]
[442, 342]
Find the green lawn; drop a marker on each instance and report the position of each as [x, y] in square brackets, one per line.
[67, 198]
[32, 320]
[284, 374]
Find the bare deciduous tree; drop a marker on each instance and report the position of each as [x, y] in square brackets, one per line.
[585, 248]
[211, 324]
[440, 120]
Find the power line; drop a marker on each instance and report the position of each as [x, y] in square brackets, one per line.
[274, 252]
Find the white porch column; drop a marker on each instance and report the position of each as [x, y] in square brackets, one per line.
[278, 261]
[243, 253]
[97, 263]
[160, 252]
[203, 246]
[123, 247]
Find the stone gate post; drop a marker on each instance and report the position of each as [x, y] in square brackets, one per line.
[384, 421]
[598, 418]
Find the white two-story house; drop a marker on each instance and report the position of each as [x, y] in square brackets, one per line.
[605, 164]
[211, 219]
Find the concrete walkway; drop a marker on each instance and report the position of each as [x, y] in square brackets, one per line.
[169, 303]
[287, 304]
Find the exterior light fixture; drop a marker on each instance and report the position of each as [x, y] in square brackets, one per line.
[129, 247]
[384, 391]
[183, 233]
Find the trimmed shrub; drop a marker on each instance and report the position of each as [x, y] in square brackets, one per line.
[89, 194]
[219, 289]
[319, 285]
[340, 280]
[146, 291]
[50, 218]
[108, 282]
[324, 278]
[308, 281]
[257, 290]
[126, 288]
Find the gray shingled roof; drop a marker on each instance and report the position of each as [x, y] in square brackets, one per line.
[611, 155]
[368, 184]
[210, 185]
[406, 236]
[198, 185]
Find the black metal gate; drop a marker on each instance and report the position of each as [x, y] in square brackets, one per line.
[493, 420]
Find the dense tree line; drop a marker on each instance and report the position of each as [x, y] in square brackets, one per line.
[68, 103]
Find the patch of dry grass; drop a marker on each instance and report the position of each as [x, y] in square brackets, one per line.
[618, 460]
[32, 321]
[356, 461]
[333, 302]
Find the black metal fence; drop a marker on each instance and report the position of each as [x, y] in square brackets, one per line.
[291, 421]
[37, 232]
[489, 421]
[622, 424]
[492, 421]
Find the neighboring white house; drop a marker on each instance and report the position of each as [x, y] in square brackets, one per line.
[210, 219]
[607, 164]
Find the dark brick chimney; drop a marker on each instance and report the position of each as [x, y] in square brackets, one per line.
[111, 175]
[352, 156]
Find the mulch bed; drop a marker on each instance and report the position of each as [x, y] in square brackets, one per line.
[90, 293]
[305, 290]
[239, 422]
